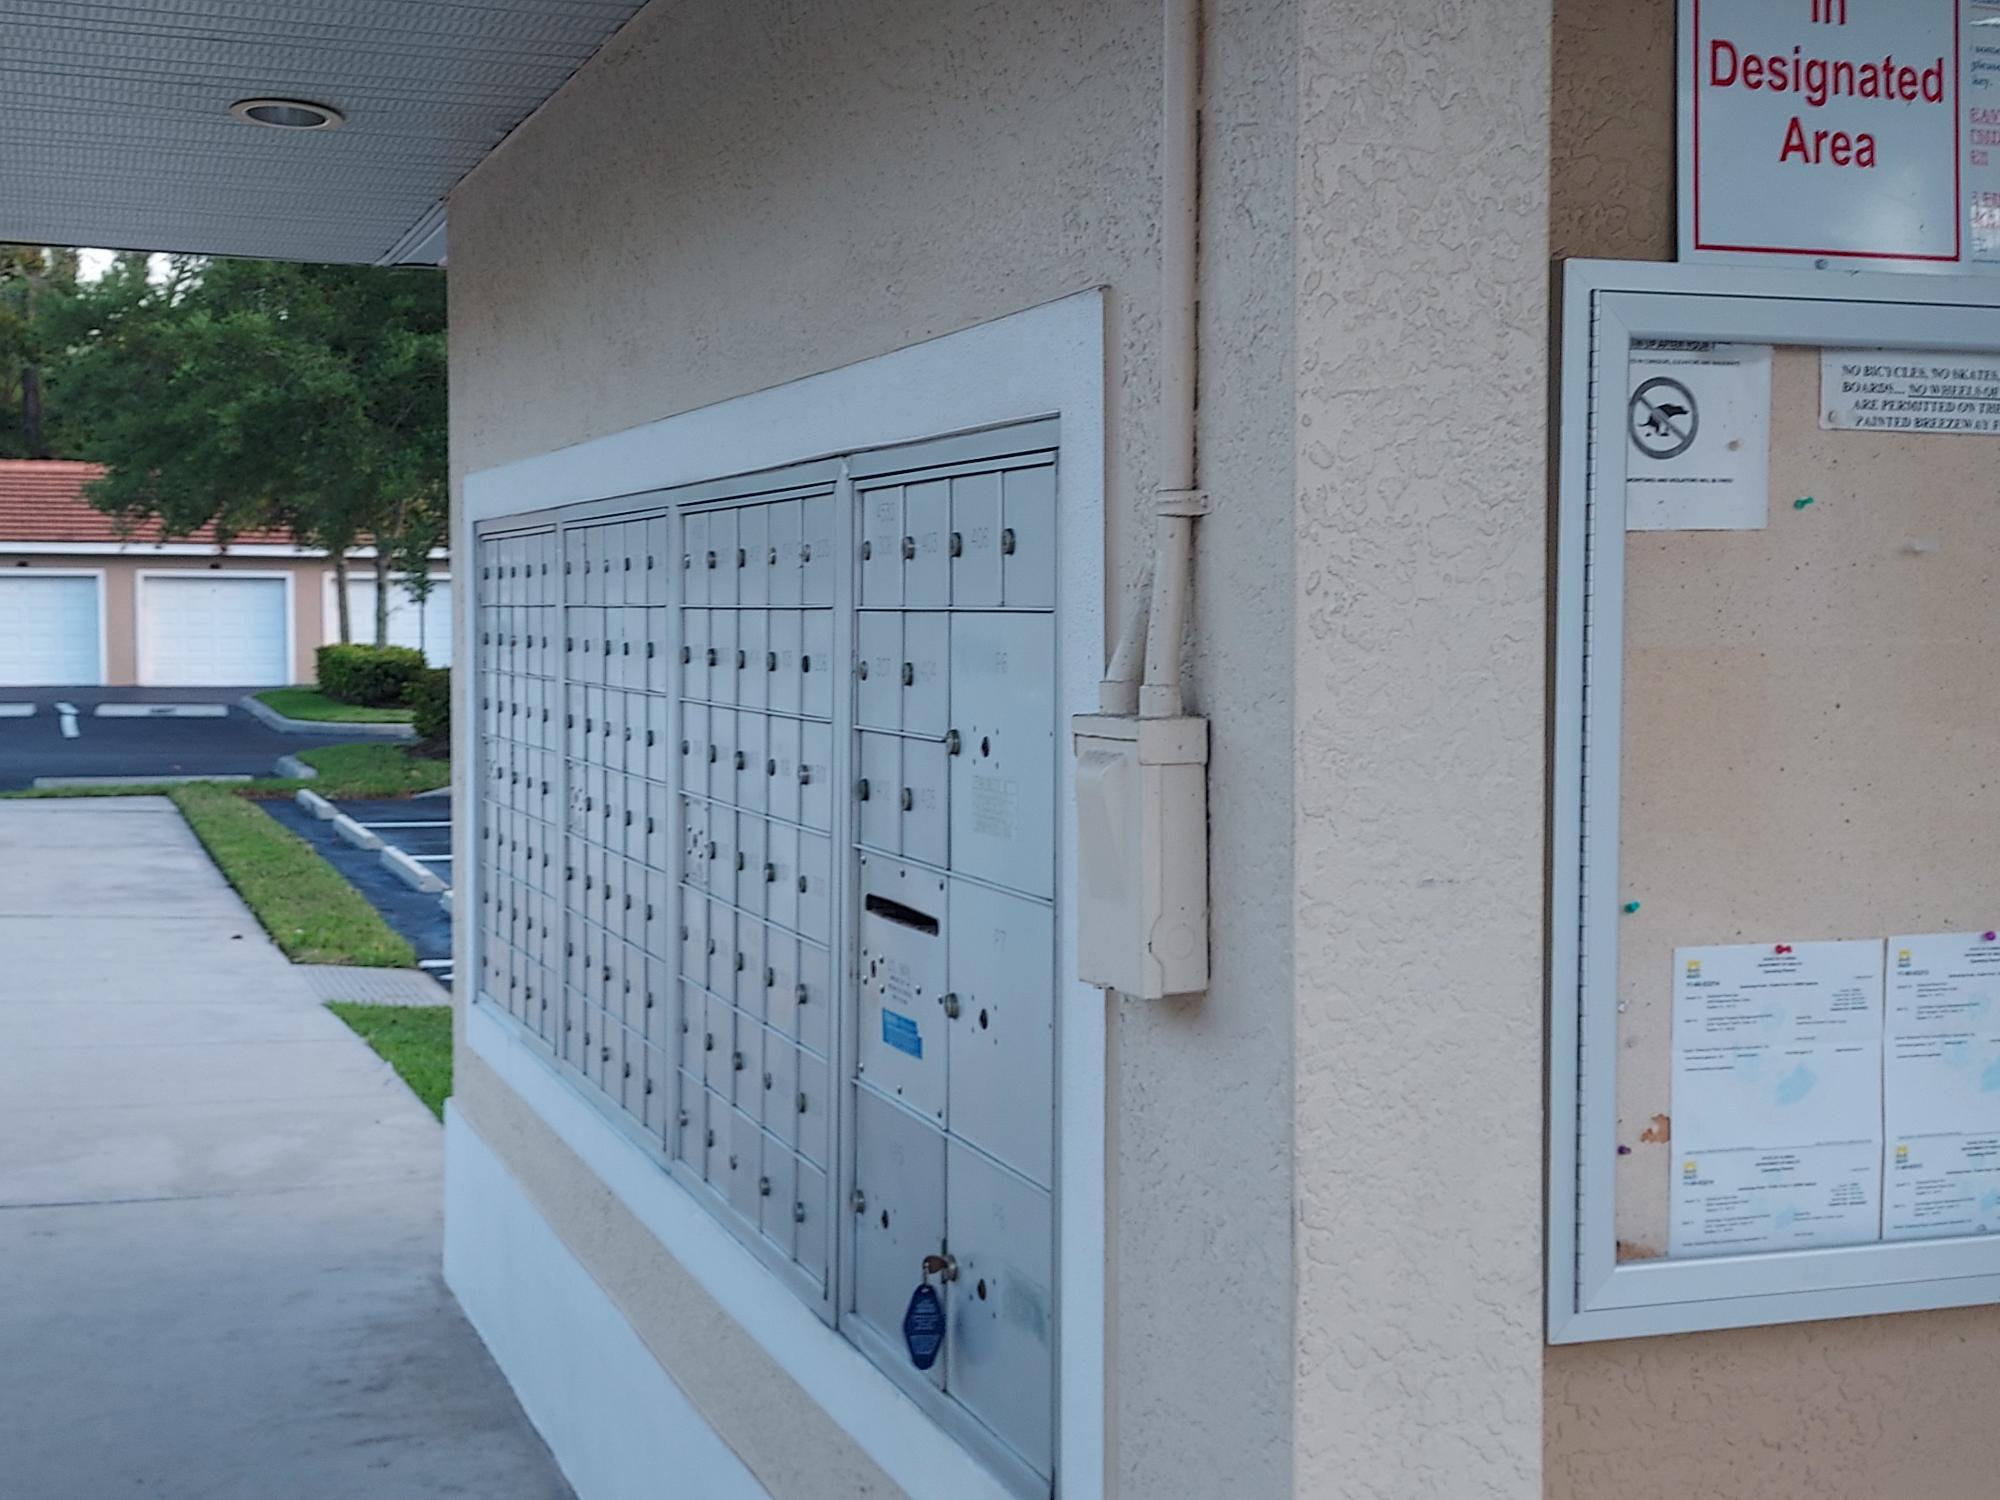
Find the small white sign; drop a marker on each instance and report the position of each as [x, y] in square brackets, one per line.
[1698, 436]
[1858, 133]
[1907, 390]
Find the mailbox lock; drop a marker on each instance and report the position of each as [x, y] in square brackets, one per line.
[957, 545]
[801, 995]
[736, 1062]
[770, 874]
[944, 1267]
[909, 548]
[764, 1187]
[859, 1202]
[867, 551]
[862, 671]
[909, 799]
[805, 775]
[861, 789]
[950, 1002]
[741, 760]
[798, 1213]
[1007, 541]
[909, 674]
[951, 742]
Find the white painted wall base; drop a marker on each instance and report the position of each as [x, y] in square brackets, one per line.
[618, 1425]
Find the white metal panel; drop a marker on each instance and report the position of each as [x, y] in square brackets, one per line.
[899, 1176]
[51, 630]
[1001, 973]
[1000, 1320]
[214, 630]
[1003, 778]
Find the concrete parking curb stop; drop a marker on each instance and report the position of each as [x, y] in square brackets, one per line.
[354, 833]
[407, 870]
[293, 769]
[315, 804]
[444, 902]
[258, 709]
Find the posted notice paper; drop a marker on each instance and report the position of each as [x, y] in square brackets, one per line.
[1698, 436]
[1941, 1086]
[1777, 1097]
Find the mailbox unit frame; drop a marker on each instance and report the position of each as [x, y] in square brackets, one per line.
[1056, 352]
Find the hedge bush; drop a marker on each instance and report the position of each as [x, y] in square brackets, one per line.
[371, 676]
[430, 704]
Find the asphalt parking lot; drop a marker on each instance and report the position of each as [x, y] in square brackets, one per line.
[137, 734]
[421, 828]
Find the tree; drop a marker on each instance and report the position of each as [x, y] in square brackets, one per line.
[32, 277]
[252, 394]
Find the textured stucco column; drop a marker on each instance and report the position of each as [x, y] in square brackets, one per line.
[1420, 532]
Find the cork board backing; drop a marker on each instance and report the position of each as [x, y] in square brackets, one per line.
[1811, 730]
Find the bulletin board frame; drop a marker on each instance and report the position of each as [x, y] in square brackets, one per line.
[1605, 305]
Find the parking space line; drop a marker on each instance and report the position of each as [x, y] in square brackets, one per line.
[430, 859]
[400, 823]
[17, 710]
[68, 712]
[162, 710]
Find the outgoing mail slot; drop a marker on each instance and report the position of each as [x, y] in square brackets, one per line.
[902, 961]
[1003, 777]
[999, 1357]
[899, 1182]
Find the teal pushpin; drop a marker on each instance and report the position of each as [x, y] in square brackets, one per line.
[1802, 502]
[1631, 907]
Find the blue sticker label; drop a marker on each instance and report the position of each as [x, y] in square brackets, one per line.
[900, 1032]
[923, 1327]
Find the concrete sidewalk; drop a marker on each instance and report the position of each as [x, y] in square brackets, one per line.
[219, 1211]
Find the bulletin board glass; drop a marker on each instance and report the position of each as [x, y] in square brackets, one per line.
[1775, 826]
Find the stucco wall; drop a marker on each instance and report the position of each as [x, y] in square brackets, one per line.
[735, 195]
[1420, 535]
[1860, 1409]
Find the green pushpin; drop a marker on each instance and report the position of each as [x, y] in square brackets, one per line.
[1631, 907]
[1802, 502]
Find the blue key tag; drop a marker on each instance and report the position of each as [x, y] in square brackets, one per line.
[923, 1325]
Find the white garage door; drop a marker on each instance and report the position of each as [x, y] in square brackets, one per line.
[48, 631]
[213, 631]
[426, 626]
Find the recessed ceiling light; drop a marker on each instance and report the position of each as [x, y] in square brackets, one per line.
[287, 114]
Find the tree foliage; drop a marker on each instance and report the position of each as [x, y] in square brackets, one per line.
[253, 394]
[33, 280]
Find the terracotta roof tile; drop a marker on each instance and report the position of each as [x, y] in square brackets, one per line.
[41, 500]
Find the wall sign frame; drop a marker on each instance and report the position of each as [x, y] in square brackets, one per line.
[1592, 1292]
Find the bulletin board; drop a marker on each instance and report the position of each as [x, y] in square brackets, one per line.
[1777, 757]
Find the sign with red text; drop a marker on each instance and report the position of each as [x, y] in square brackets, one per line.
[1856, 134]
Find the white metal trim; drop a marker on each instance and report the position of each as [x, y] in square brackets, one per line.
[1047, 360]
[1590, 1294]
[143, 655]
[185, 549]
[913, 1450]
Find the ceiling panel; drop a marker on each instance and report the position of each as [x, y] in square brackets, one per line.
[115, 126]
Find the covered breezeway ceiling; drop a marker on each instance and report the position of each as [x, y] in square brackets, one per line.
[115, 127]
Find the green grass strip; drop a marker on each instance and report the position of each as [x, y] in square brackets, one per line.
[344, 771]
[309, 703]
[307, 906]
[415, 1040]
